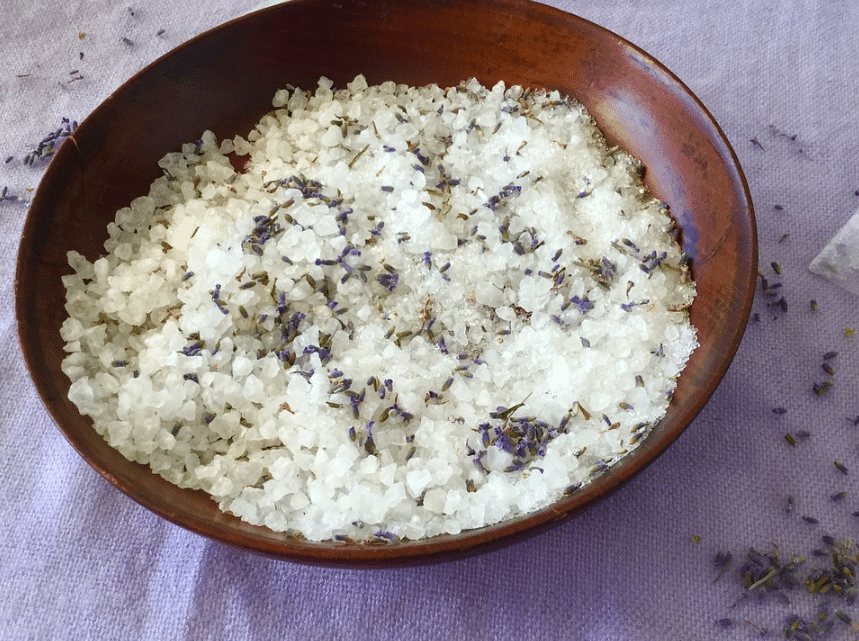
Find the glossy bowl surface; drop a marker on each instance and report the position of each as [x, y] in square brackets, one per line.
[224, 80]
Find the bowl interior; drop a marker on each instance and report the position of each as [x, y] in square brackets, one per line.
[225, 79]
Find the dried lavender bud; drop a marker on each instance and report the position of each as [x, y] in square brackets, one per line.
[51, 142]
[821, 388]
[722, 561]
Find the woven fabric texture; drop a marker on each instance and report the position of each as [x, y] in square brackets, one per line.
[80, 560]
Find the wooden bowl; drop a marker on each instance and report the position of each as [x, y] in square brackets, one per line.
[224, 80]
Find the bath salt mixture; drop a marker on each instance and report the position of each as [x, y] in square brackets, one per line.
[415, 311]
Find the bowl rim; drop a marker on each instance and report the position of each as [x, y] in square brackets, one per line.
[445, 547]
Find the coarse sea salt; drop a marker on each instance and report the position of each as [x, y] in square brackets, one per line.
[416, 311]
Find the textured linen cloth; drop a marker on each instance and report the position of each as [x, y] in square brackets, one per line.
[79, 560]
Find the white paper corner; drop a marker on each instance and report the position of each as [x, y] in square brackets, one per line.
[838, 262]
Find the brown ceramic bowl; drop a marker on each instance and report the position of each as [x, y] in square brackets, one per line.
[224, 80]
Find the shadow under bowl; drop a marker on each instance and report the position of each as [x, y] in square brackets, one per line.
[224, 80]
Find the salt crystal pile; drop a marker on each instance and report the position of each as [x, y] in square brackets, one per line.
[416, 312]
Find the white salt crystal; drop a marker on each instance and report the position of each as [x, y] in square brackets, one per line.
[242, 366]
[222, 487]
[369, 465]
[435, 499]
[318, 490]
[253, 389]
[395, 494]
[454, 501]
[299, 501]
[387, 473]
[417, 480]
[488, 294]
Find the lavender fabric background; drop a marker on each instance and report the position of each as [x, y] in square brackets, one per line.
[80, 560]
